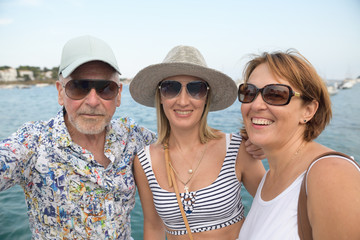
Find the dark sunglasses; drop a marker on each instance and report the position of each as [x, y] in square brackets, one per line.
[272, 94]
[171, 89]
[78, 89]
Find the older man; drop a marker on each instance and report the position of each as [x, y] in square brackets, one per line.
[75, 169]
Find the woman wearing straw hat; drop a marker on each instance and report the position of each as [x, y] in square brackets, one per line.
[189, 182]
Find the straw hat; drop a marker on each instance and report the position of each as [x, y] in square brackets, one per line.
[183, 60]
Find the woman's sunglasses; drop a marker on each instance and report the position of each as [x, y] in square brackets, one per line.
[272, 94]
[78, 89]
[171, 89]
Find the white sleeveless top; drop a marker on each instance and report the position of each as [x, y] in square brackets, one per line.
[275, 219]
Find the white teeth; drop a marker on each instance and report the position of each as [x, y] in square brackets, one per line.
[183, 112]
[261, 121]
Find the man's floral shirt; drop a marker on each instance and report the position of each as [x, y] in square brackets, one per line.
[68, 194]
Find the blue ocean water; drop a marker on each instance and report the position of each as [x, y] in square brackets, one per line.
[18, 106]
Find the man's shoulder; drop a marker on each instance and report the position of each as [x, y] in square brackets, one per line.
[126, 124]
[36, 126]
[123, 121]
[30, 134]
[41, 125]
[128, 127]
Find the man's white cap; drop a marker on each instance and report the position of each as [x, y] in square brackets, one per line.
[80, 50]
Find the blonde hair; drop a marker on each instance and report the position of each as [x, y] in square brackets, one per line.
[206, 133]
[300, 73]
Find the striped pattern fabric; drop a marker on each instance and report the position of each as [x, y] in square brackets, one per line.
[215, 206]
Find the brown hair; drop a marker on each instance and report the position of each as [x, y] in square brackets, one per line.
[163, 126]
[300, 73]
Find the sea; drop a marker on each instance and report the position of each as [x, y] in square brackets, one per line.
[19, 105]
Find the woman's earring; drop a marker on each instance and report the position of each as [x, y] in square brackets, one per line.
[304, 120]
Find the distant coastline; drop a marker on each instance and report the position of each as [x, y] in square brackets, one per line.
[46, 81]
[31, 82]
[31, 75]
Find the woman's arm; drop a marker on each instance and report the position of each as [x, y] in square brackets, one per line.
[250, 169]
[333, 187]
[153, 225]
[255, 151]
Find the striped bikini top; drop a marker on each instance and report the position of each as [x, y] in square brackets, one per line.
[215, 206]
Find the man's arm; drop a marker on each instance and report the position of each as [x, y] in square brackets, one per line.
[14, 152]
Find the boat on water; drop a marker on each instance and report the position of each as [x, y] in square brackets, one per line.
[22, 86]
[6, 86]
[332, 87]
[332, 90]
[347, 84]
[42, 84]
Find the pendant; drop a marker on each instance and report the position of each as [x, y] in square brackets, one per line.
[186, 188]
[188, 202]
[190, 171]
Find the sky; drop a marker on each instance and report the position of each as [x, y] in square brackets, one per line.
[227, 32]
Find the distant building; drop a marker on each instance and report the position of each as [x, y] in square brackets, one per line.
[8, 75]
[125, 80]
[48, 74]
[26, 75]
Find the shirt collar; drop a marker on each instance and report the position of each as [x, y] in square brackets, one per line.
[61, 134]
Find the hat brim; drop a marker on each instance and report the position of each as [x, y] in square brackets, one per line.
[223, 89]
[70, 68]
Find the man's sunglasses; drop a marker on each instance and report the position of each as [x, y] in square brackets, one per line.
[78, 89]
[171, 89]
[272, 94]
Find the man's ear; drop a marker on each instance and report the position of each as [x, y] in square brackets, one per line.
[118, 100]
[59, 88]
